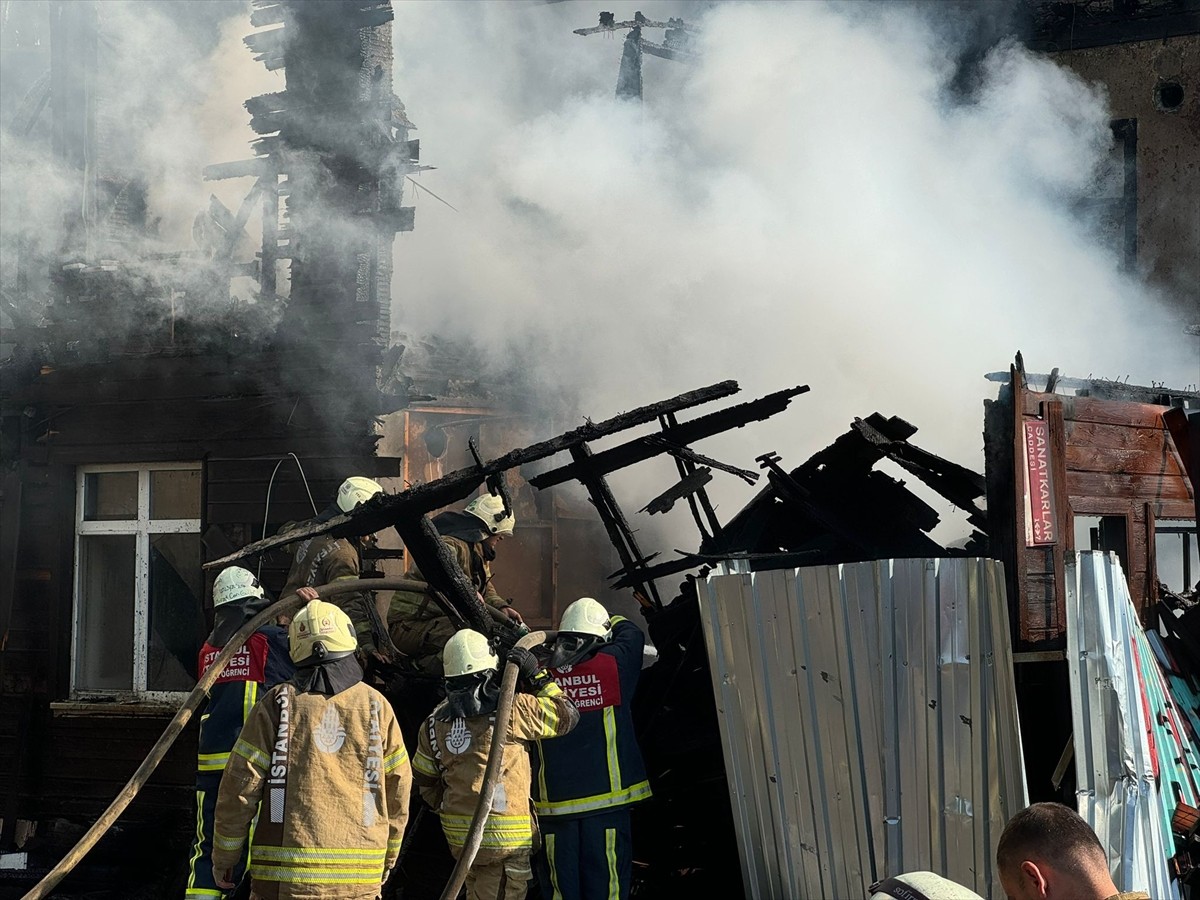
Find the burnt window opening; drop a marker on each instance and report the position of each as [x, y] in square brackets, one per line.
[1177, 554]
[1168, 96]
[1103, 533]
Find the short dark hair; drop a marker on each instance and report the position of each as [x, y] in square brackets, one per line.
[1053, 833]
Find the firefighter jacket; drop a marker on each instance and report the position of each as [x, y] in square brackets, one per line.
[598, 767]
[322, 560]
[334, 780]
[452, 756]
[262, 662]
[410, 606]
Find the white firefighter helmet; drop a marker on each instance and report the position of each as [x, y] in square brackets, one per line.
[585, 616]
[467, 652]
[319, 633]
[489, 509]
[584, 627]
[235, 583]
[927, 885]
[356, 490]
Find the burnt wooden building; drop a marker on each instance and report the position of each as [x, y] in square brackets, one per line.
[152, 420]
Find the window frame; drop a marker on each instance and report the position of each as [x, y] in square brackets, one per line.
[141, 528]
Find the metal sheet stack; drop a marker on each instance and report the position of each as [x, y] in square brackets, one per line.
[1133, 753]
[868, 720]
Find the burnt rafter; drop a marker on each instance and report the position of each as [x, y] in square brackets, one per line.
[385, 510]
[408, 511]
[685, 487]
[836, 507]
[958, 484]
[685, 433]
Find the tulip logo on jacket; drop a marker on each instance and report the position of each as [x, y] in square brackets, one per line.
[458, 739]
[329, 735]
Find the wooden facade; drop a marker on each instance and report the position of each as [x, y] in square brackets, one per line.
[66, 755]
[1111, 461]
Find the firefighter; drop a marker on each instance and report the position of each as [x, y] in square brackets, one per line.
[585, 784]
[261, 663]
[323, 753]
[452, 753]
[417, 624]
[323, 559]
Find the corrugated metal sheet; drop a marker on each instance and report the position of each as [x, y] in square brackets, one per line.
[1123, 727]
[869, 722]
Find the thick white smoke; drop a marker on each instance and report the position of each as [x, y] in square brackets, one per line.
[807, 204]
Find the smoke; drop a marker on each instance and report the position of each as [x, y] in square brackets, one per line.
[877, 200]
[823, 198]
[167, 92]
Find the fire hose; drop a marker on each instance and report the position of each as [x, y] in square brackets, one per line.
[284, 606]
[487, 792]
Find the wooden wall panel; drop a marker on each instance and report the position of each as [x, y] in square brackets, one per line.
[1111, 458]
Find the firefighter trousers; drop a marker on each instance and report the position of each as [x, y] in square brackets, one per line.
[423, 642]
[200, 884]
[589, 858]
[500, 878]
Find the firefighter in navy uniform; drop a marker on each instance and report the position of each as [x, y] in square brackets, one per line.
[585, 782]
[260, 664]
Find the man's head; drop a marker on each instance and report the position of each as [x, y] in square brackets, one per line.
[354, 492]
[584, 627]
[236, 585]
[1047, 850]
[489, 509]
[320, 633]
[472, 671]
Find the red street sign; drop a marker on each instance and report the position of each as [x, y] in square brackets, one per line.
[1040, 523]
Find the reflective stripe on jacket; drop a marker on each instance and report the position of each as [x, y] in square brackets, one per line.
[599, 765]
[334, 779]
[451, 758]
[262, 662]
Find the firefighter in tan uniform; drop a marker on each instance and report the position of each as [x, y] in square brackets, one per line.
[417, 625]
[323, 754]
[324, 559]
[452, 752]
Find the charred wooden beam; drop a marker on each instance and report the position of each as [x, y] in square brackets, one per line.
[441, 570]
[619, 532]
[793, 491]
[641, 449]
[687, 486]
[685, 468]
[258, 167]
[384, 511]
[686, 454]
[955, 483]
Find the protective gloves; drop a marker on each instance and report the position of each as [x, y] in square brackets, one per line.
[528, 668]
